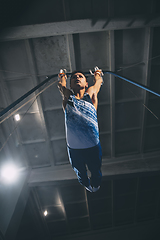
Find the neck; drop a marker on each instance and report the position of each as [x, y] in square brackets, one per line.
[79, 94]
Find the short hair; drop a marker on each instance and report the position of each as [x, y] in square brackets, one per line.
[77, 71]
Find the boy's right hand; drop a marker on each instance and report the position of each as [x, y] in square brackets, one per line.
[61, 74]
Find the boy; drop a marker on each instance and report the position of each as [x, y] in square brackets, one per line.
[82, 134]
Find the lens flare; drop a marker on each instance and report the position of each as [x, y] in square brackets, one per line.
[45, 213]
[17, 117]
[9, 173]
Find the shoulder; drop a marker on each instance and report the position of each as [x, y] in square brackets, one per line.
[91, 91]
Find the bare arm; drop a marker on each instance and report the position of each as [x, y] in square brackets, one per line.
[94, 90]
[65, 92]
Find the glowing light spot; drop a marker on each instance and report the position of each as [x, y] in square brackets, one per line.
[45, 213]
[9, 173]
[17, 117]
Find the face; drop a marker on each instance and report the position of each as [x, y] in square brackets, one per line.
[78, 80]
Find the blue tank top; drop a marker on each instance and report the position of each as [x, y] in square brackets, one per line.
[81, 123]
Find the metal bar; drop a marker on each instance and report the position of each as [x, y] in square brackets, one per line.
[12, 105]
[134, 83]
[68, 74]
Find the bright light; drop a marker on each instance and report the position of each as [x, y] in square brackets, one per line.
[17, 117]
[9, 173]
[45, 213]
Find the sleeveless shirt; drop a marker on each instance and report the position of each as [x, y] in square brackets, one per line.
[81, 123]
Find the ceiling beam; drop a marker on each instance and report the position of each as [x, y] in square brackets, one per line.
[39, 212]
[11, 144]
[71, 52]
[147, 56]
[39, 99]
[146, 164]
[79, 26]
[147, 73]
[64, 208]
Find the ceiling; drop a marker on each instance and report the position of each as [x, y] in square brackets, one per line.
[37, 39]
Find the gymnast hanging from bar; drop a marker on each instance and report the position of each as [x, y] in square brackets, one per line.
[82, 134]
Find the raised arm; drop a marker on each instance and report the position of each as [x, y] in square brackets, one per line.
[94, 90]
[65, 92]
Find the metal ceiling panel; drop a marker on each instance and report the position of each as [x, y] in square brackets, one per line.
[38, 154]
[13, 58]
[153, 104]
[94, 50]
[135, 7]
[78, 225]
[17, 88]
[100, 206]
[125, 91]
[148, 197]
[51, 54]
[124, 217]
[145, 213]
[60, 151]
[56, 227]
[125, 201]
[152, 139]
[128, 115]
[44, 12]
[55, 213]
[156, 39]
[101, 221]
[155, 75]
[104, 122]
[136, 73]
[105, 140]
[104, 93]
[2, 104]
[31, 128]
[48, 196]
[55, 123]
[52, 98]
[68, 197]
[149, 182]
[76, 210]
[133, 46]
[125, 187]
[127, 142]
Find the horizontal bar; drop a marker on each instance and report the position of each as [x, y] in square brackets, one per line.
[135, 83]
[68, 74]
[12, 105]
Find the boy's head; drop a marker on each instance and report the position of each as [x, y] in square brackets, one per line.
[78, 78]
